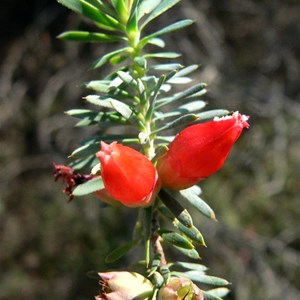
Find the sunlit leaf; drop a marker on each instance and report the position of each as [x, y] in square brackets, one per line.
[165, 67]
[187, 70]
[85, 36]
[161, 8]
[208, 296]
[120, 8]
[127, 78]
[189, 266]
[189, 107]
[162, 55]
[213, 113]
[98, 85]
[157, 42]
[105, 58]
[192, 233]
[89, 187]
[176, 239]
[218, 292]
[199, 276]
[183, 120]
[198, 203]
[191, 253]
[175, 26]
[178, 211]
[119, 106]
[190, 92]
[145, 7]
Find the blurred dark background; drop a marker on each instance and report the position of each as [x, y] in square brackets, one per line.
[249, 53]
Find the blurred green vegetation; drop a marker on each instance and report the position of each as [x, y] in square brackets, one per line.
[249, 53]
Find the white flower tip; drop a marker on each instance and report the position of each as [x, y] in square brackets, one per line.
[240, 119]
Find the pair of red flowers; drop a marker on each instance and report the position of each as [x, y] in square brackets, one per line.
[196, 153]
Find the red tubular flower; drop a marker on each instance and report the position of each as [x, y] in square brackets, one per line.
[128, 176]
[199, 151]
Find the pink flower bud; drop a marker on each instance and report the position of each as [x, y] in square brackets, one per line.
[124, 286]
[199, 151]
[128, 176]
[179, 289]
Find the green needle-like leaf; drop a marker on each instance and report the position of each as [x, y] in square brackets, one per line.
[145, 7]
[176, 239]
[176, 208]
[119, 106]
[190, 92]
[183, 120]
[191, 253]
[120, 252]
[161, 8]
[162, 55]
[208, 296]
[175, 26]
[212, 113]
[104, 59]
[188, 266]
[192, 233]
[89, 187]
[89, 37]
[199, 276]
[218, 292]
[198, 203]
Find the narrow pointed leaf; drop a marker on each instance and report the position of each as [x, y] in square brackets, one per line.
[119, 106]
[127, 78]
[190, 107]
[153, 96]
[183, 120]
[187, 70]
[192, 233]
[120, 252]
[198, 203]
[167, 29]
[176, 208]
[72, 4]
[162, 55]
[208, 296]
[155, 264]
[218, 292]
[146, 7]
[132, 24]
[98, 85]
[165, 67]
[191, 253]
[199, 276]
[176, 240]
[213, 113]
[120, 8]
[160, 152]
[103, 20]
[189, 266]
[86, 36]
[80, 163]
[76, 6]
[104, 59]
[89, 187]
[161, 8]
[86, 150]
[180, 80]
[192, 91]
[193, 106]
[157, 42]
[148, 216]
